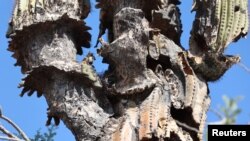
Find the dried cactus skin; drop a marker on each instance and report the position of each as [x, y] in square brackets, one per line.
[50, 16]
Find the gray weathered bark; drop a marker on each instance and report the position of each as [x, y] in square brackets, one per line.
[153, 88]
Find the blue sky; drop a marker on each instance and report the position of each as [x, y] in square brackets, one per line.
[30, 112]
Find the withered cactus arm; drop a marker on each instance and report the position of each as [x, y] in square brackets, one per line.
[45, 42]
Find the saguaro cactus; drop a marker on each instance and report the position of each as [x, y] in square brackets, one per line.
[153, 88]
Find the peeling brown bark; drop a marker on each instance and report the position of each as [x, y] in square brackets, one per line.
[151, 90]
